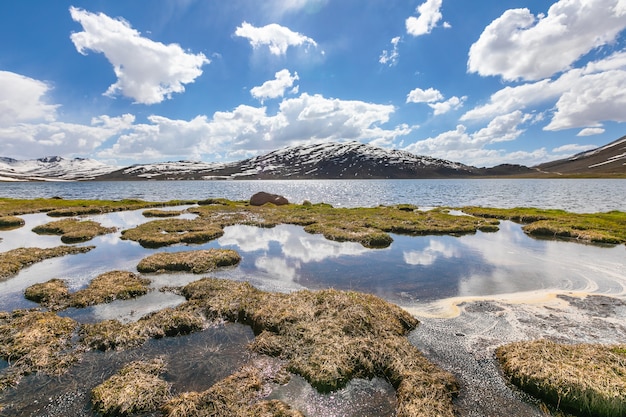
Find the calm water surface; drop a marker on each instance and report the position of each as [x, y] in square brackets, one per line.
[591, 195]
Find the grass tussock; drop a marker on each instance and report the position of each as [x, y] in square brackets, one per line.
[162, 213]
[159, 233]
[330, 337]
[607, 228]
[10, 222]
[58, 207]
[73, 230]
[35, 341]
[198, 262]
[114, 335]
[237, 395]
[585, 379]
[13, 261]
[105, 288]
[136, 388]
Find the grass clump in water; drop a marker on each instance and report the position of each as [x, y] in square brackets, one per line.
[10, 222]
[162, 213]
[35, 341]
[136, 388]
[330, 337]
[237, 395]
[159, 233]
[13, 261]
[585, 379]
[73, 230]
[607, 227]
[105, 288]
[198, 261]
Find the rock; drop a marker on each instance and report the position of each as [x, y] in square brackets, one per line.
[261, 198]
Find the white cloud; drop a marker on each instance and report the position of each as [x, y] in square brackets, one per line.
[519, 45]
[299, 120]
[277, 38]
[453, 103]
[391, 57]
[275, 88]
[590, 131]
[147, 71]
[429, 95]
[429, 16]
[57, 138]
[22, 100]
[428, 256]
[573, 148]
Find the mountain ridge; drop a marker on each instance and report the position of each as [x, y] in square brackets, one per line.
[334, 160]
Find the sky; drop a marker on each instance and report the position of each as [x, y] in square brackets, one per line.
[479, 82]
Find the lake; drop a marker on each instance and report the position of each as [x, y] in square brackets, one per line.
[577, 195]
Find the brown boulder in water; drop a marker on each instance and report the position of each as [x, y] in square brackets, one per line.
[261, 198]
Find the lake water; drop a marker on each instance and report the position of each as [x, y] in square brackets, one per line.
[422, 274]
[586, 195]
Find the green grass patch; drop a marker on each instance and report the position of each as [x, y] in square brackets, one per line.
[585, 379]
[13, 261]
[10, 222]
[159, 233]
[73, 230]
[198, 262]
[607, 227]
[162, 213]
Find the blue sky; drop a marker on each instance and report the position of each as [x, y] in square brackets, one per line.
[483, 83]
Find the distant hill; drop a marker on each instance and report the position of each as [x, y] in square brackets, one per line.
[352, 160]
[608, 160]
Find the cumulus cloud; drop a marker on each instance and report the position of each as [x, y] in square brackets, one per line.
[277, 38]
[435, 100]
[519, 45]
[275, 88]
[590, 131]
[429, 16]
[147, 71]
[299, 120]
[22, 99]
[391, 57]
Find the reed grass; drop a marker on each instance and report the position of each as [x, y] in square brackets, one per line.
[585, 379]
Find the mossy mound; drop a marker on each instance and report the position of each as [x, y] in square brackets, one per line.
[159, 233]
[73, 230]
[136, 388]
[35, 341]
[105, 288]
[13, 261]
[585, 379]
[595, 228]
[198, 262]
[10, 222]
[162, 213]
[330, 337]
[237, 395]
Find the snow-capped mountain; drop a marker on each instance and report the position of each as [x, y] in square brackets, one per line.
[607, 159]
[52, 168]
[351, 160]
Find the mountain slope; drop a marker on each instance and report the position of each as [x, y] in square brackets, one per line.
[52, 168]
[606, 160]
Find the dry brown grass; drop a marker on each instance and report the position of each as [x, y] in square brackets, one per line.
[585, 379]
[136, 388]
[35, 341]
[105, 288]
[330, 337]
[13, 261]
[238, 395]
[10, 222]
[73, 230]
[159, 233]
[198, 262]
